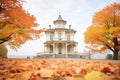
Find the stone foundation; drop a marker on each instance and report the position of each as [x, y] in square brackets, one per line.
[61, 56]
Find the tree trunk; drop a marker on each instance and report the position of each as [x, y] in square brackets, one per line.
[116, 50]
[115, 55]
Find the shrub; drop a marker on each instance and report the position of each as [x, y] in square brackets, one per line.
[109, 56]
[3, 51]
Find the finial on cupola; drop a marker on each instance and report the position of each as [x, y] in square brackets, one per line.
[59, 18]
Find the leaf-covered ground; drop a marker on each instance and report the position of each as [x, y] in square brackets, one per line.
[47, 69]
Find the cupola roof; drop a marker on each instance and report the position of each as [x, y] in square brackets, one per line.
[59, 20]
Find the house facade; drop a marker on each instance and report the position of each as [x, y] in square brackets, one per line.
[60, 41]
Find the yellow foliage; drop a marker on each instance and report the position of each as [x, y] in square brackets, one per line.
[94, 75]
[78, 79]
[115, 31]
[94, 33]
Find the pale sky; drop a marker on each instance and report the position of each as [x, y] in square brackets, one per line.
[77, 13]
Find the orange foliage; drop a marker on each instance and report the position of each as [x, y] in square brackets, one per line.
[108, 17]
[105, 30]
[36, 69]
[16, 24]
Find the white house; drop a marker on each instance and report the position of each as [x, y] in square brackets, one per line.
[60, 41]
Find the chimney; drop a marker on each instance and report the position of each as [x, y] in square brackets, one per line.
[69, 26]
[49, 26]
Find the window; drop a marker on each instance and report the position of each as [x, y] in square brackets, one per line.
[51, 37]
[69, 49]
[68, 37]
[59, 36]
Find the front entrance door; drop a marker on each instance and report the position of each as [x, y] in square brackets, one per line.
[59, 48]
[51, 49]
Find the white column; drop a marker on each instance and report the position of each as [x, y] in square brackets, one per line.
[54, 50]
[66, 48]
[66, 51]
[47, 49]
[44, 48]
[55, 35]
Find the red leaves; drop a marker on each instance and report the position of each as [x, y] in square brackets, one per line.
[106, 70]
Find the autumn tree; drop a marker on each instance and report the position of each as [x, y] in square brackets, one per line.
[104, 33]
[16, 25]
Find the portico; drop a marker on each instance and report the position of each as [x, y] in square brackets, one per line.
[60, 47]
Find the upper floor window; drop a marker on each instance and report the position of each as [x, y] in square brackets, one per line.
[68, 37]
[59, 25]
[51, 37]
[59, 36]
